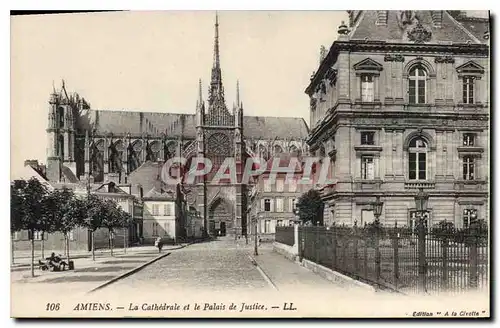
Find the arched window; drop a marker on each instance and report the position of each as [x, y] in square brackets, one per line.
[417, 159]
[417, 85]
[60, 117]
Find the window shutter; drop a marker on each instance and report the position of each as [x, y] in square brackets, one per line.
[262, 206]
[272, 205]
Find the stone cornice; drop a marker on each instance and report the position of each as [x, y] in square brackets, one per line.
[385, 47]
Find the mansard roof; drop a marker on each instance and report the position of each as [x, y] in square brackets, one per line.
[395, 31]
[154, 123]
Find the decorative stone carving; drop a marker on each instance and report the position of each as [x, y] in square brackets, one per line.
[394, 58]
[419, 34]
[313, 102]
[444, 60]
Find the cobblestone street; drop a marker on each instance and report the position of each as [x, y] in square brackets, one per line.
[224, 265]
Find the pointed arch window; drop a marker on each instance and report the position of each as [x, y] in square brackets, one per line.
[417, 159]
[417, 85]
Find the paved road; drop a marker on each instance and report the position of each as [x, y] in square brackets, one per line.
[222, 265]
[211, 266]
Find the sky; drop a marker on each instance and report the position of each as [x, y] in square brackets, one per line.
[152, 61]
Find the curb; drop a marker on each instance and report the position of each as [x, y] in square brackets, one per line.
[128, 273]
[262, 272]
[137, 269]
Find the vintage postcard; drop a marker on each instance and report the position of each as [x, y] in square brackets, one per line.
[253, 164]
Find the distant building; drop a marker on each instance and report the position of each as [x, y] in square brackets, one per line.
[401, 102]
[274, 201]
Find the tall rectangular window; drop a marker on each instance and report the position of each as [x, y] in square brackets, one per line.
[414, 220]
[468, 90]
[280, 185]
[417, 85]
[267, 226]
[267, 205]
[292, 185]
[155, 229]
[468, 167]
[367, 168]
[167, 209]
[156, 209]
[469, 139]
[292, 204]
[279, 205]
[267, 185]
[469, 216]
[367, 88]
[368, 138]
[417, 166]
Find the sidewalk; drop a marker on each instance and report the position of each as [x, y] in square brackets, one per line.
[289, 276]
[21, 257]
[87, 274]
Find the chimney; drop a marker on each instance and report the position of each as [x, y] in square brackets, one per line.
[437, 17]
[114, 177]
[382, 17]
[31, 162]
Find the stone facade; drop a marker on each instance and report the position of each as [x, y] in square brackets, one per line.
[401, 102]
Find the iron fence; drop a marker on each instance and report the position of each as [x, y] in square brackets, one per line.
[401, 259]
[285, 235]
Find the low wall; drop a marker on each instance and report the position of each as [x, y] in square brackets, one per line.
[335, 276]
[285, 250]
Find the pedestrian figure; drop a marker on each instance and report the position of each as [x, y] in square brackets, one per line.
[159, 244]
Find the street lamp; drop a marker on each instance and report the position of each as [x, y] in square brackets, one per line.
[255, 251]
[377, 209]
[421, 200]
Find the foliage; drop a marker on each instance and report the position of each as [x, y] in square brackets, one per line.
[28, 205]
[95, 212]
[310, 207]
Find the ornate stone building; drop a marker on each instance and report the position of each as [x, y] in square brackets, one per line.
[129, 148]
[401, 102]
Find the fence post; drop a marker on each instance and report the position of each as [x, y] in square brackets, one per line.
[444, 251]
[355, 242]
[421, 256]
[365, 253]
[377, 255]
[318, 245]
[395, 245]
[473, 258]
[334, 247]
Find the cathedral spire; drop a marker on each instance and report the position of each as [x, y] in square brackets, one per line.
[216, 88]
[200, 97]
[238, 93]
[216, 42]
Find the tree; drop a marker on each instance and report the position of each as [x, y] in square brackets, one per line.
[310, 207]
[111, 220]
[126, 221]
[94, 213]
[32, 193]
[68, 213]
[16, 210]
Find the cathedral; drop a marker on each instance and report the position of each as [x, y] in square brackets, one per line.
[90, 147]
